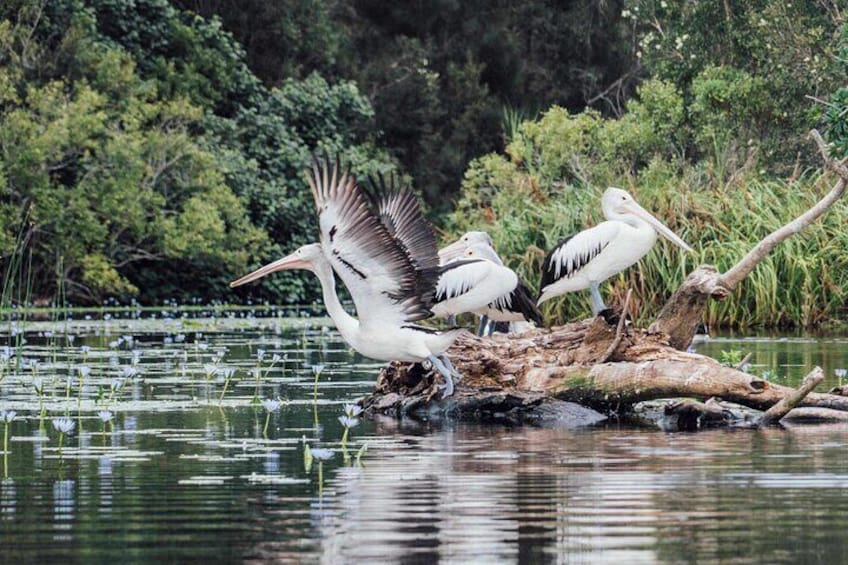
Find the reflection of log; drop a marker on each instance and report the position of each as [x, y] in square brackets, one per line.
[608, 368]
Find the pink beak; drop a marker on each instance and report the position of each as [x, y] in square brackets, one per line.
[288, 262]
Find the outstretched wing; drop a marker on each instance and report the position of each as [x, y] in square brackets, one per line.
[574, 252]
[384, 282]
[399, 210]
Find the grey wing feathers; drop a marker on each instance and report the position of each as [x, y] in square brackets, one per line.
[399, 211]
[357, 227]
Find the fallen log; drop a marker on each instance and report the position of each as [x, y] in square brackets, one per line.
[607, 368]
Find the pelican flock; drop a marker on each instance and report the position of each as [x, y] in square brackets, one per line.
[590, 257]
[384, 251]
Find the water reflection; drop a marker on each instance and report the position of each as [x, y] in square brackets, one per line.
[594, 496]
[180, 476]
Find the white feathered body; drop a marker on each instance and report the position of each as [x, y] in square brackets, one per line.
[469, 286]
[596, 254]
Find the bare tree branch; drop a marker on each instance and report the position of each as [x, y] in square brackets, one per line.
[774, 414]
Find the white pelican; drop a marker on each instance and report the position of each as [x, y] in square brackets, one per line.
[515, 305]
[388, 263]
[590, 257]
[456, 249]
[470, 284]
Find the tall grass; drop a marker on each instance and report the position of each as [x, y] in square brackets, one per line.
[804, 282]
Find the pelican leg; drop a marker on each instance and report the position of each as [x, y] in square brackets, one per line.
[482, 327]
[598, 305]
[446, 360]
[440, 367]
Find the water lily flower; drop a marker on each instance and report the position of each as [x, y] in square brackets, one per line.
[352, 410]
[7, 416]
[38, 385]
[317, 369]
[64, 425]
[260, 355]
[348, 422]
[270, 404]
[105, 416]
[85, 349]
[128, 372]
[840, 373]
[83, 371]
[322, 454]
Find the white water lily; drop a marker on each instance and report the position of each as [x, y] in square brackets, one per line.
[352, 410]
[270, 404]
[105, 416]
[64, 425]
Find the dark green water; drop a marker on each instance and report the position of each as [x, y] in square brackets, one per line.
[179, 475]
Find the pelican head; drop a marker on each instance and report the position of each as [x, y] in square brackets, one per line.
[482, 251]
[468, 239]
[618, 205]
[309, 257]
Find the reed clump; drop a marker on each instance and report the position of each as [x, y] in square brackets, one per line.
[804, 282]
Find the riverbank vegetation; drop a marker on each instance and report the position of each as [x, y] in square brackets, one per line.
[153, 150]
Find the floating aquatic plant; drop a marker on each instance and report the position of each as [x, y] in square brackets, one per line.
[316, 370]
[349, 420]
[270, 405]
[63, 426]
[6, 417]
[105, 417]
[228, 373]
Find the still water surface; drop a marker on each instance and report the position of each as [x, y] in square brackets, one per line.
[181, 475]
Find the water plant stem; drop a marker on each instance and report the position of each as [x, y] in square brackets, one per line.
[226, 385]
[267, 421]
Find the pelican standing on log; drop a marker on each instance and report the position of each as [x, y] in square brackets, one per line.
[590, 257]
[514, 305]
[388, 261]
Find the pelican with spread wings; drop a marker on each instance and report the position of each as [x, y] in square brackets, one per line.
[385, 253]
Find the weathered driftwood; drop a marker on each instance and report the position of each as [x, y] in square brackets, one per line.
[780, 409]
[511, 373]
[608, 368]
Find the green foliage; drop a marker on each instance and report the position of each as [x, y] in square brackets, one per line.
[749, 69]
[836, 113]
[730, 357]
[149, 158]
[550, 185]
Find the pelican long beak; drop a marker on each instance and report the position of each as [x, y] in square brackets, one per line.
[292, 261]
[661, 228]
[452, 251]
